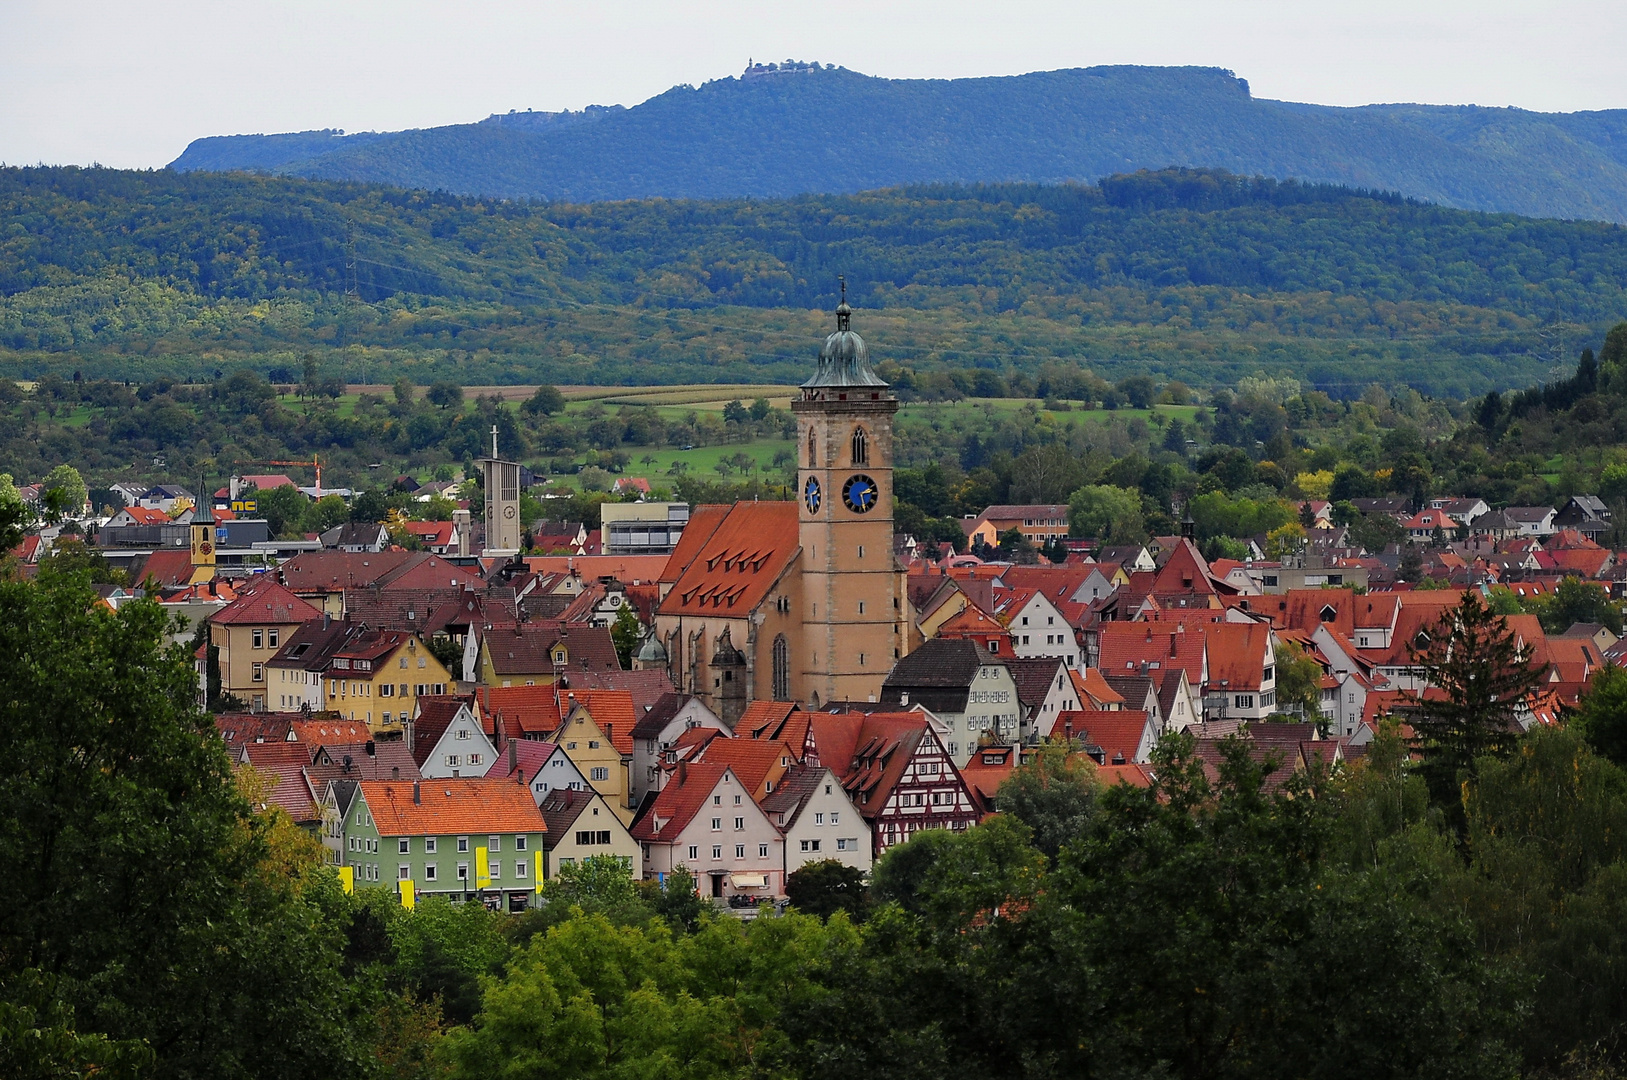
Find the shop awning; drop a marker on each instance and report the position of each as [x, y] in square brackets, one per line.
[748, 881]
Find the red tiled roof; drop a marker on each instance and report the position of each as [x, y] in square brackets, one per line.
[686, 791]
[703, 522]
[526, 710]
[168, 567]
[1132, 774]
[739, 563]
[627, 569]
[1303, 609]
[1238, 655]
[268, 604]
[1090, 686]
[1118, 732]
[1125, 646]
[613, 711]
[450, 806]
[141, 515]
[755, 762]
[775, 720]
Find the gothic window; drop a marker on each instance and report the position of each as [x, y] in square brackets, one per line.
[861, 447]
[782, 669]
[813, 455]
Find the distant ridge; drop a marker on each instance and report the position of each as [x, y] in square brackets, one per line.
[822, 129]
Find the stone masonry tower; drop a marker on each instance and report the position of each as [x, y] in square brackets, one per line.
[852, 584]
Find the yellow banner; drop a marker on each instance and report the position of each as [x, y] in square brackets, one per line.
[347, 878]
[482, 869]
[408, 900]
[537, 877]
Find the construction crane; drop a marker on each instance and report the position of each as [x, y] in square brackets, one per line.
[315, 463]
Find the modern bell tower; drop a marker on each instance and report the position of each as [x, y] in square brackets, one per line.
[852, 584]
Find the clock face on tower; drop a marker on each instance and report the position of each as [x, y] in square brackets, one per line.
[860, 494]
[812, 497]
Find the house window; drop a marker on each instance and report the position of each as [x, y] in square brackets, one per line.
[494, 843]
[403, 873]
[463, 844]
[819, 819]
[762, 851]
[463, 733]
[519, 870]
[402, 845]
[519, 842]
[429, 871]
[782, 669]
[463, 871]
[740, 851]
[835, 816]
[494, 869]
[601, 772]
[259, 639]
[259, 672]
[272, 637]
[717, 824]
[694, 852]
[1243, 701]
[717, 851]
[452, 762]
[739, 824]
[429, 845]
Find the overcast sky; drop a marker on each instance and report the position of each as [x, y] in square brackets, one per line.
[130, 83]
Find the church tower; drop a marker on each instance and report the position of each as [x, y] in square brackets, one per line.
[852, 614]
[203, 536]
[502, 503]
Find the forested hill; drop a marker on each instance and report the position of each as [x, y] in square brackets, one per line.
[832, 130]
[1202, 276]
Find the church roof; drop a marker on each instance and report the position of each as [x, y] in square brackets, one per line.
[733, 571]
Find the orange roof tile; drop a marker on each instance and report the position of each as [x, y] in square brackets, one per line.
[468, 805]
[613, 711]
[703, 522]
[756, 762]
[1090, 686]
[1238, 654]
[1119, 732]
[526, 710]
[738, 565]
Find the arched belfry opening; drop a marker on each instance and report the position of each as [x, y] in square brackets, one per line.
[813, 450]
[861, 447]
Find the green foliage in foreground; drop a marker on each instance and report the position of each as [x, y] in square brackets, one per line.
[1206, 927]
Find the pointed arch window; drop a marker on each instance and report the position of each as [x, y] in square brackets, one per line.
[861, 447]
[782, 669]
[813, 450]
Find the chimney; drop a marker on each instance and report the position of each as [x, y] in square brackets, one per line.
[683, 772]
[1172, 640]
[513, 756]
[371, 749]
[417, 794]
[395, 772]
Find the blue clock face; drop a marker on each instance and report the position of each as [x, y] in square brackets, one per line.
[812, 496]
[860, 494]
